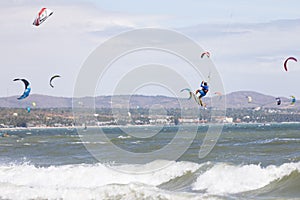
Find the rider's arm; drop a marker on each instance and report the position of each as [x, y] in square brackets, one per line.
[202, 84]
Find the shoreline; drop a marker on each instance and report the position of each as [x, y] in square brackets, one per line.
[140, 126]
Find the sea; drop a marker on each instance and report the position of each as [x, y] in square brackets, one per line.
[245, 161]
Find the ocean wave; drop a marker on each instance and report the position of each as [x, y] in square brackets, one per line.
[86, 142]
[269, 141]
[286, 187]
[54, 182]
[224, 178]
[136, 142]
[178, 180]
[131, 191]
[6, 145]
[124, 137]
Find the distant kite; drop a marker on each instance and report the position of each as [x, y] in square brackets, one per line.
[285, 62]
[43, 14]
[293, 100]
[53, 77]
[249, 99]
[205, 53]
[27, 88]
[218, 93]
[278, 100]
[188, 90]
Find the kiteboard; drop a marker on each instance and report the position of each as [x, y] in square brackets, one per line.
[194, 96]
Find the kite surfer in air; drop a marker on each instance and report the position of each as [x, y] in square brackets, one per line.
[203, 90]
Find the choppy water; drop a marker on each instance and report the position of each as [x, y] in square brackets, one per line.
[249, 161]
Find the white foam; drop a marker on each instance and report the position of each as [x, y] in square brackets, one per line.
[108, 192]
[85, 142]
[136, 142]
[228, 179]
[7, 145]
[124, 137]
[82, 181]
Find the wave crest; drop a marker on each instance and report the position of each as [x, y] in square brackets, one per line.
[224, 178]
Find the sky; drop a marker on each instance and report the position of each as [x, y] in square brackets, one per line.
[248, 40]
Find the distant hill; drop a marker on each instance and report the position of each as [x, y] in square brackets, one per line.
[239, 100]
[233, 100]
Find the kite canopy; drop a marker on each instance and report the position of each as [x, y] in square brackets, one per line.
[51, 79]
[43, 14]
[218, 93]
[286, 61]
[188, 90]
[249, 99]
[293, 100]
[27, 88]
[205, 53]
[278, 100]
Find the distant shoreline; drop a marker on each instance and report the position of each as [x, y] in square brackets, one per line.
[140, 126]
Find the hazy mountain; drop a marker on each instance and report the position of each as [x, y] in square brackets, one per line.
[233, 100]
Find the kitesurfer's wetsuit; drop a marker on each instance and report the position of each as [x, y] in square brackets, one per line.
[203, 91]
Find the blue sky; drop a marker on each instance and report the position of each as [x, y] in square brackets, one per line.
[248, 40]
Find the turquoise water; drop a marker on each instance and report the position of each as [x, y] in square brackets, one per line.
[249, 161]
